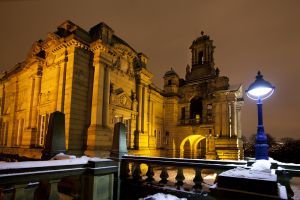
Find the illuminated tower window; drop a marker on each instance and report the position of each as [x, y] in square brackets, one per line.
[200, 57]
[196, 109]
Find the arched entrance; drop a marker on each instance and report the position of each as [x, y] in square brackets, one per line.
[193, 146]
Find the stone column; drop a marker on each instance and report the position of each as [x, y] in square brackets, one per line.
[233, 119]
[34, 111]
[105, 117]
[146, 109]
[56, 93]
[238, 120]
[152, 117]
[62, 73]
[97, 100]
[98, 136]
[13, 131]
[225, 119]
[26, 137]
[140, 106]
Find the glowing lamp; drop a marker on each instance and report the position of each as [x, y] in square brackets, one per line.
[260, 90]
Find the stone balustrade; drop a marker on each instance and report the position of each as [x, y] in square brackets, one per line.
[90, 180]
[158, 173]
[139, 176]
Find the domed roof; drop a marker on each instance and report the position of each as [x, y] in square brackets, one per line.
[171, 72]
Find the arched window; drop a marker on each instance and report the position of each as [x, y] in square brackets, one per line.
[196, 109]
[200, 57]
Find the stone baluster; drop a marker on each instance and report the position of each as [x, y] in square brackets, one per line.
[7, 193]
[125, 170]
[197, 180]
[164, 175]
[284, 179]
[19, 191]
[53, 190]
[30, 189]
[150, 174]
[218, 171]
[179, 178]
[136, 172]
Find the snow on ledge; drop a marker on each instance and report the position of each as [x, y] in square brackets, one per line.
[251, 174]
[261, 169]
[262, 166]
[58, 160]
[161, 196]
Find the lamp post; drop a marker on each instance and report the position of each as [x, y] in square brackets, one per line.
[258, 91]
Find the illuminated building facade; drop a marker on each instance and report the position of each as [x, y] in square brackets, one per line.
[96, 79]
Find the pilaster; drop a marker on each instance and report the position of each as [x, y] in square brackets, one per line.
[99, 136]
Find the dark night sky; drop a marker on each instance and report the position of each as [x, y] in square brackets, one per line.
[248, 35]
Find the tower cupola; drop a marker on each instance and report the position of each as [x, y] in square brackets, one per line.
[202, 50]
[171, 81]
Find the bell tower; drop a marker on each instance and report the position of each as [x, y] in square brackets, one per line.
[202, 59]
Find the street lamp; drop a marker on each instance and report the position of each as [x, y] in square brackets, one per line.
[260, 90]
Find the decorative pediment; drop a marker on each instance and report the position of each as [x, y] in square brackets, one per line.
[35, 49]
[51, 41]
[125, 50]
[123, 64]
[68, 25]
[120, 98]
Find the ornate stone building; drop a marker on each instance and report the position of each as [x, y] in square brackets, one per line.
[96, 79]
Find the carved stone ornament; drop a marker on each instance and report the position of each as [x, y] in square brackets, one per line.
[122, 100]
[35, 48]
[51, 41]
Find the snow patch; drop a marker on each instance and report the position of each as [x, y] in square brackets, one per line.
[72, 160]
[62, 156]
[161, 196]
[251, 174]
[282, 192]
[262, 166]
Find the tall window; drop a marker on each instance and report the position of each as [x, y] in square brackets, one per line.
[196, 109]
[42, 128]
[158, 139]
[200, 57]
[209, 112]
[127, 123]
[4, 133]
[182, 113]
[19, 132]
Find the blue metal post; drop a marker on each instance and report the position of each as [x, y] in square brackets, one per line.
[261, 144]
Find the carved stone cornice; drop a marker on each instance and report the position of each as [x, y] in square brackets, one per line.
[125, 50]
[144, 76]
[69, 43]
[98, 46]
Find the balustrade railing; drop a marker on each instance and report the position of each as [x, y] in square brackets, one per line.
[98, 179]
[52, 180]
[173, 172]
[181, 174]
